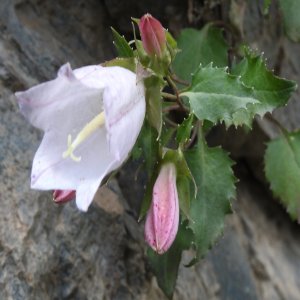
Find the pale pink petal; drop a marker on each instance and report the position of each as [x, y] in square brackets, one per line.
[63, 196]
[124, 110]
[163, 217]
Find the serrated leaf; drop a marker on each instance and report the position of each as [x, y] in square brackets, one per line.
[199, 47]
[290, 10]
[166, 136]
[271, 91]
[148, 146]
[216, 95]
[165, 267]
[124, 50]
[282, 169]
[211, 169]
[184, 130]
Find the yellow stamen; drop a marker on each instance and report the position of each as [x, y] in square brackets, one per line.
[87, 130]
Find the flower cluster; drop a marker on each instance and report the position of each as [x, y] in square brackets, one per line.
[91, 118]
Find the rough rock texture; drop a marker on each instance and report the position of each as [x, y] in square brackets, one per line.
[56, 252]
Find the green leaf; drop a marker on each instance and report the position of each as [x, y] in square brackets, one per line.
[282, 169]
[170, 40]
[290, 10]
[153, 87]
[165, 267]
[216, 95]
[271, 91]
[211, 169]
[184, 130]
[147, 147]
[124, 50]
[199, 47]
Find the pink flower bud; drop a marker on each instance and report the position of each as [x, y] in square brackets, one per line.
[163, 216]
[63, 196]
[153, 35]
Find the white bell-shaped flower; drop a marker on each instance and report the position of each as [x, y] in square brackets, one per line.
[91, 118]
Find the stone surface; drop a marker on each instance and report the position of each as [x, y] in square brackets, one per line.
[55, 252]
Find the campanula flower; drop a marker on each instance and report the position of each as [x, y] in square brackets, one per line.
[162, 220]
[91, 118]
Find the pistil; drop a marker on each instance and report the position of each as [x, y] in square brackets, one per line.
[87, 130]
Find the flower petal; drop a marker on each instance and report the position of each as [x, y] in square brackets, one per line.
[124, 106]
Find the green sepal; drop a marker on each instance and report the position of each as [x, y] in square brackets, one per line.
[127, 63]
[178, 159]
[184, 130]
[122, 46]
[184, 194]
[171, 45]
[165, 266]
[282, 169]
[141, 54]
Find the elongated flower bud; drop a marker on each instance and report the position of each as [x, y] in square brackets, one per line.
[153, 35]
[163, 216]
[63, 196]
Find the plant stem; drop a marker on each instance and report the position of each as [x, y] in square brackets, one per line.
[171, 107]
[178, 80]
[170, 122]
[168, 96]
[194, 134]
[174, 87]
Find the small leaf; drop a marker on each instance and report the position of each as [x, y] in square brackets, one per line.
[199, 47]
[165, 267]
[290, 10]
[124, 50]
[282, 169]
[127, 63]
[166, 135]
[184, 130]
[211, 169]
[153, 87]
[216, 95]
